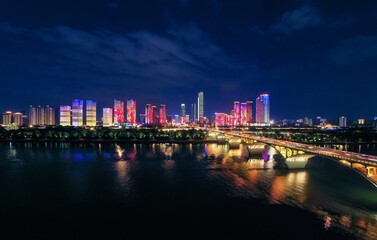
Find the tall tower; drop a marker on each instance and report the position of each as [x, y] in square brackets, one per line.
[249, 112]
[200, 105]
[163, 114]
[131, 111]
[33, 120]
[65, 115]
[263, 109]
[237, 113]
[49, 115]
[193, 112]
[118, 111]
[243, 114]
[77, 112]
[107, 117]
[342, 121]
[91, 113]
[7, 118]
[148, 114]
[155, 115]
[183, 110]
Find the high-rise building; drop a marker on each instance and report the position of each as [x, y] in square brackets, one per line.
[243, 114]
[200, 106]
[155, 115]
[49, 118]
[7, 118]
[77, 112]
[193, 112]
[183, 110]
[131, 111]
[237, 113]
[17, 119]
[33, 115]
[107, 117]
[65, 115]
[249, 112]
[91, 113]
[163, 114]
[148, 114]
[118, 111]
[342, 121]
[220, 119]
[263, 109]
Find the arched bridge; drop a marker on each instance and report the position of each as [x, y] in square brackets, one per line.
[297, 154]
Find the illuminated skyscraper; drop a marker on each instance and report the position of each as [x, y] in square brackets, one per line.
[131, 111]
[243, 114]
[193, 112]
[49, 116]
[220, 119]
[155, 115]
[148, 114]
[33, 115]
[163, 115]
[77, 112]
[263, 109]
[183, 110]
[91, 113]
[17, 119]
[7, 118]
[107, 117]
[118, 111]
[342, 121]
[65, 115]
[237, 113]
[200, 106]
[249, 112]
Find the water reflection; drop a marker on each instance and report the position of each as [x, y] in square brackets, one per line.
[232, 171]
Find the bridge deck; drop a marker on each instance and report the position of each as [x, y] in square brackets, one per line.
[352, 157]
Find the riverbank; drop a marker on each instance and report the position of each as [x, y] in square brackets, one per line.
[202, 141]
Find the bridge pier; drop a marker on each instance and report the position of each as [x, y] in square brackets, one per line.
[371, 171]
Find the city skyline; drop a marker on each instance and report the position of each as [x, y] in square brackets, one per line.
[314, 58]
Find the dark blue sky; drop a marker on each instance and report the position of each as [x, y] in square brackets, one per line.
[313, 57]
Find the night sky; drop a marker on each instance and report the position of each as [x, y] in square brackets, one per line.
[315, 58]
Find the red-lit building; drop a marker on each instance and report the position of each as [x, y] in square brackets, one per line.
[131, 111]
[249, 112]
[148, 114]
[118, 111]
[243, 114]
[163, 115]
[220, 119]
[237, 113]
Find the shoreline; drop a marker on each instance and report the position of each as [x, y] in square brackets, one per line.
[106, 141]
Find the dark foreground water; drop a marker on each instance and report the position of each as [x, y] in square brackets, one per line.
[160, 191]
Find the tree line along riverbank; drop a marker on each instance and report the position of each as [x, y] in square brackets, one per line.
[101, 134]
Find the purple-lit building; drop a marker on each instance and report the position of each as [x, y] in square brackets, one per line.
[77, 112]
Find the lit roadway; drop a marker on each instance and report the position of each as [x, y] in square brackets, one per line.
[341, 155]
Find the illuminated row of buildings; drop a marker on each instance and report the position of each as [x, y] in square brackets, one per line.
[242, 113]
[14, 118]
[74, 115]
[41, 115]
[84, 113]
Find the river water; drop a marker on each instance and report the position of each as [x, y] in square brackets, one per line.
[170, 191]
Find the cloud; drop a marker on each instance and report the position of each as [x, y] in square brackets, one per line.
[354, 50]
[304, 17]
[180, 57]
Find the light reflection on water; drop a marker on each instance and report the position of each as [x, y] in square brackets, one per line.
[231, 169]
